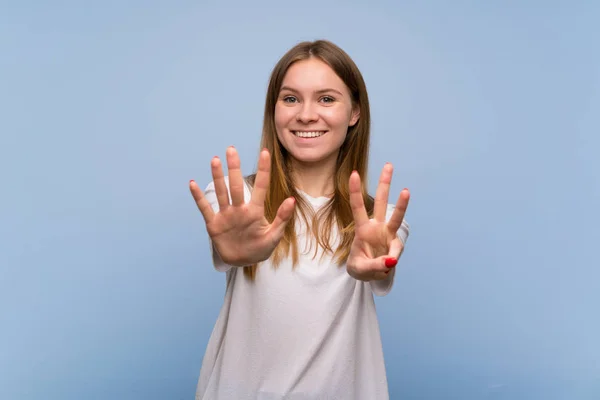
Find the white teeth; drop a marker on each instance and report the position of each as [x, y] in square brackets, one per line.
[309, 134]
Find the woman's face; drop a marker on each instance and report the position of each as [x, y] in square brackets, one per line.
[313, 112]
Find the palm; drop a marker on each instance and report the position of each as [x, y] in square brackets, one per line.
[239, 231]
[243, 232]
[375, 239]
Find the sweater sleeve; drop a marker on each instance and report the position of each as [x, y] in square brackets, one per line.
[383, 287]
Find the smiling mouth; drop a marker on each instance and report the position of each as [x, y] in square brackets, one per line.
[308, 134]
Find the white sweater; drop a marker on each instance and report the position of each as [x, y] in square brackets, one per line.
[307, 333]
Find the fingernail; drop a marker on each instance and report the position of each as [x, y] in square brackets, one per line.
[390, 262]
[191, 180]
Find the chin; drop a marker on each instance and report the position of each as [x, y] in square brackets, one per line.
[310, 157]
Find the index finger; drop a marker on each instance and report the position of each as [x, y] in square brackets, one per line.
[399, 211]
[357, 203]
[382, 194]
[261, 183]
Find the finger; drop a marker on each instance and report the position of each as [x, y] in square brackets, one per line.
[375, 265]
[383, 191]
[357, 203]
[284, 215]
[379, 276]
[236, 180]
[219, 181]
[261, 183]
[396, 248]
[201, 202]
[399, 211]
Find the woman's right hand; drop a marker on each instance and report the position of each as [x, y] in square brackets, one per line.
[239, 231]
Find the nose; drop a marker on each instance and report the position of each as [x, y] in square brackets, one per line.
[307, 113]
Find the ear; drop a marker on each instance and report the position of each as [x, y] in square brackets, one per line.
[355, 115]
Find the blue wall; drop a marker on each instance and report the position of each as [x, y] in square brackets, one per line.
[489, 113]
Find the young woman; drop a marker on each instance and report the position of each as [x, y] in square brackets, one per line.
[303, 245]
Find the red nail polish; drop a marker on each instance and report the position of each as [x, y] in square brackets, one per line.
[191, 180]
[390, 262]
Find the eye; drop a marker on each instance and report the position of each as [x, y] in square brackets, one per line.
[327, 99]
[289, 99]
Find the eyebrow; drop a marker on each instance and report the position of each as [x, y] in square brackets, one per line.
[318, 91]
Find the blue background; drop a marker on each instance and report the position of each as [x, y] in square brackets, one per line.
[488, 110]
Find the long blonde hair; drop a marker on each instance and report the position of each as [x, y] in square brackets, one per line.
[353, 155]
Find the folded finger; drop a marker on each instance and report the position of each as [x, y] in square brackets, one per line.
[396, 248]
[377, 265]
[379, 276]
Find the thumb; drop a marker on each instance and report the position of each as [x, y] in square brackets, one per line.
[379, 264]
[284, 215]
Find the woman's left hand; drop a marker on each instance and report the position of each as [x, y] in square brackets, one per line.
[376, 246]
